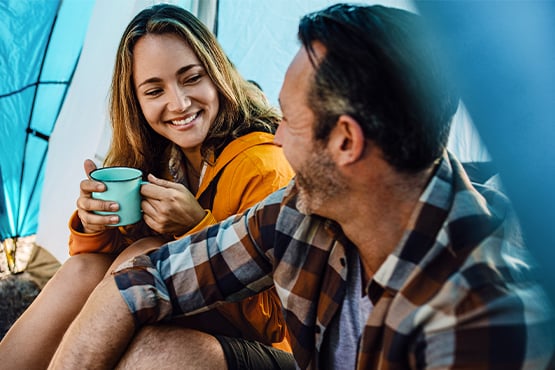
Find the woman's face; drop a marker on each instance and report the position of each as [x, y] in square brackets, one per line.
[176, 95]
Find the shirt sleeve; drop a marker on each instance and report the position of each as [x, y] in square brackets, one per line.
[208, 220]
[107, 241]
[229, 261]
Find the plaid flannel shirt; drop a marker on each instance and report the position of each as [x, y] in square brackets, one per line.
[457, 292]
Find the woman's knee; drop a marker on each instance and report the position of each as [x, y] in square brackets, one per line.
[141, 246]
[87, 267]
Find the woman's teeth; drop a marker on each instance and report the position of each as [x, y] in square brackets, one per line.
[185, 121]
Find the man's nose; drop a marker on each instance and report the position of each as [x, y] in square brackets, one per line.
[278, 135]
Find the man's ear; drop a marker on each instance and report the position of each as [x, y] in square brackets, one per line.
[347, 140]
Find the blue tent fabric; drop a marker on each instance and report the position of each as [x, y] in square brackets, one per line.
[40, 43]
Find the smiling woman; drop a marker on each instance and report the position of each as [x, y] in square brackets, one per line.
[182, 114]
[177, 97]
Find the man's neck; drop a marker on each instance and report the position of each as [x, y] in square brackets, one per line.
[379, 213]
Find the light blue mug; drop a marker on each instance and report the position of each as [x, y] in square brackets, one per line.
[123, 185]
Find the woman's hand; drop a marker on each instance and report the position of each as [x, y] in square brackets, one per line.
[168, 207]
[86, 204]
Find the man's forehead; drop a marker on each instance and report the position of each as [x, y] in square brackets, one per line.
[297, 76]
[300, 64]
[307, 59]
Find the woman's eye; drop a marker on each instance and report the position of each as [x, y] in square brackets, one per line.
[154, 92]
[192, 79]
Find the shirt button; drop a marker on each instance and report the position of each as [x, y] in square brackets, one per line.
[343, 261]
[317, 330]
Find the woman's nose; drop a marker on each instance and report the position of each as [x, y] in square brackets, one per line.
[178, 100]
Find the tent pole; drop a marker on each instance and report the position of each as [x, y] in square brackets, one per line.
[207, 12]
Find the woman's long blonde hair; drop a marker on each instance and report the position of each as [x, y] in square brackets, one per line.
[243, 107]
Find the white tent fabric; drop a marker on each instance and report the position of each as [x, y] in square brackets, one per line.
[258, 35]
[81, 129]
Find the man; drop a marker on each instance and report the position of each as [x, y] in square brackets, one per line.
[383, 253]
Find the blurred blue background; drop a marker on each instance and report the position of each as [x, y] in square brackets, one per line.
[503, 57]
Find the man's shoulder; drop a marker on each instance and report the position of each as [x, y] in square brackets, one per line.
[478, 248]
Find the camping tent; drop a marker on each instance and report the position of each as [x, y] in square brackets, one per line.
[39, 49]
[259, 37]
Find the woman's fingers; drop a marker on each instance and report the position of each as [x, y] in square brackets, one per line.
[95, 223]
[89, 166]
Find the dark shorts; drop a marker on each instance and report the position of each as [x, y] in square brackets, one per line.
[242, 354]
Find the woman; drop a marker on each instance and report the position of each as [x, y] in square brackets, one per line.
[182, 114]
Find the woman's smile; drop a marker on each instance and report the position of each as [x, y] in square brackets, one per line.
[185, 121]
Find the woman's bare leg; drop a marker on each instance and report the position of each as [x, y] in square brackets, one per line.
[141, 246]
[34, 337]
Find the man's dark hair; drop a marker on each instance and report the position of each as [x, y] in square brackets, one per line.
[16, 294]
[382, 68]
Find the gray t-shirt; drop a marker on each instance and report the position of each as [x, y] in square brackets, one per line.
[344, 332]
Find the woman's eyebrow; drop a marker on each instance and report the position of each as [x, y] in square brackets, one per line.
[180, 71]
